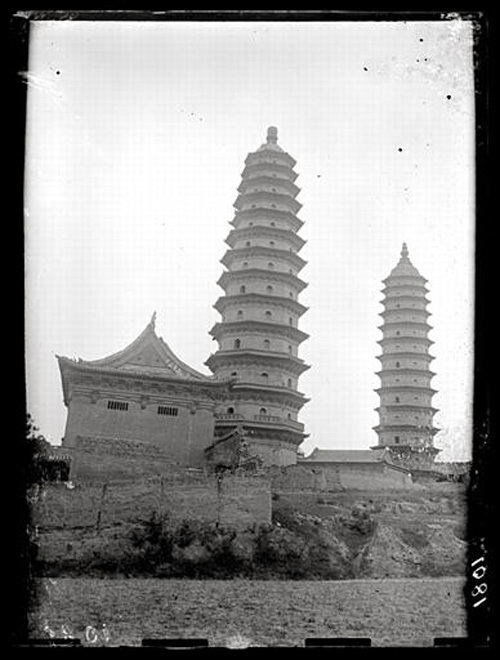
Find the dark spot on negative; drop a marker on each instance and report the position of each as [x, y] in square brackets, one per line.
[448, 97]
[400, 149]
[365, 69]
[58, 73]
[420, 39]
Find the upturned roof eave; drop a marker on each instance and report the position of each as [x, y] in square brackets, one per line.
[82, 367]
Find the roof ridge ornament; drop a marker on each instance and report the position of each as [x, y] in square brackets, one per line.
[404, 251]
[153, 320]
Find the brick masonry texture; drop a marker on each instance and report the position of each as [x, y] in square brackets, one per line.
[238, 501]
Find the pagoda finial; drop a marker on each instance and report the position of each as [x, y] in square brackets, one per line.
[153, 320]
[272, 134]
[404, 251]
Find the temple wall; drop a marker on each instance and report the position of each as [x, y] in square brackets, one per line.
[183, 436]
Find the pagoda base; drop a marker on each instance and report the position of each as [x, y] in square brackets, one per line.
[410, 457]
[271, 445]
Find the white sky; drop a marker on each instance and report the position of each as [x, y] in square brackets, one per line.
[136, 138]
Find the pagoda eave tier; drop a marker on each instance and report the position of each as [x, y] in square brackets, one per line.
[417, 340]
[390, 372]
[270, 156]
[389, 325]
[402, 310]
[266, 215]
[392, 428]
[236, 254]
[282, 431]
[277, 392]
[420, 289]
[255, 357]
[265, 178]
[256, 197]
[406, 388]
[406, 298]
[263, 231]
[292, 305]
[409, 449]
[221, 330]
[259, 273]
[405, 407]
[404, 354]
[281, 170]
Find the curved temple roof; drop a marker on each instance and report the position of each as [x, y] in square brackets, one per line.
[147, 355]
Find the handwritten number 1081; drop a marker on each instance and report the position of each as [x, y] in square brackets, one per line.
[478, 574]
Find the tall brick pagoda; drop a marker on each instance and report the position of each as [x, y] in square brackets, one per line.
[406, 413]
[258, 334]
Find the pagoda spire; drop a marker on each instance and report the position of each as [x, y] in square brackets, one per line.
[404, 251]
[258, 336]
[272, 134]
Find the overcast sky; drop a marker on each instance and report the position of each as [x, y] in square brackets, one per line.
[136, 138]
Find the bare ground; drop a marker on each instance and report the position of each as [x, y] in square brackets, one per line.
[239, 613]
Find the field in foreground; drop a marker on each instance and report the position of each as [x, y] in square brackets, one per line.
[236, 613]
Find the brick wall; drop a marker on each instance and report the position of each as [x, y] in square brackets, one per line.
[103, 459]
[233, 500]
[184, 435]
[304, 477]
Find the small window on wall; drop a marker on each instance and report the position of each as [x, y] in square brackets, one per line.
[398, 364]
[240, 314]
[396, 439]
[273, 224]
[269, 289]
[268, 314]
[270, 265]
[264, 375]
[245, 264]
[230, 410]
[397, 332]
[290, 349]
[290, 321]
[396, 399]
[271, 243]
[289, 382]
[234, 374]
[263, 411]
[237, 343]
[243, 288]
[267, 344]
[289, 416]
[118, 405]
[248, 244]
[250, 224]
[167, 410]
